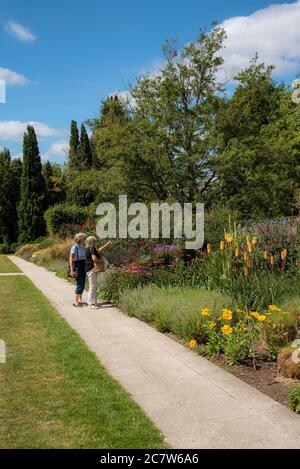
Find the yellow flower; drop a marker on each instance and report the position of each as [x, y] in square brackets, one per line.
[222, 245]
[212, 324]
[274, 308]
[227, 330]
[256, 315]
[237, 251]
[205, 312]
[226, 314]
[261, 317]
[192, 343]
[254, 240]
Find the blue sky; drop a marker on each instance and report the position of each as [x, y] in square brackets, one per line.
[60, 58]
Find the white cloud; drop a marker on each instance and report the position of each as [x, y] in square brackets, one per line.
[20, 32]
[126, 97]
[273, 32]
[17, 156]
[13, 130]
[59, 148]
[154, 68]
[12, 78]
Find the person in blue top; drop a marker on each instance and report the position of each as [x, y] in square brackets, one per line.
[78, 267]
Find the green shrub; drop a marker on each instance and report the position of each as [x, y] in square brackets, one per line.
[258, 290]
[65, 220]
[175, 309]
[4, 249]
[294, 398]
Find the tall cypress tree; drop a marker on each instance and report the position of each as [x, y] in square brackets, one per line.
[85, 151]
[15, 189]
[5, 197]
[10, 176]
[74, 146]
[33, 188]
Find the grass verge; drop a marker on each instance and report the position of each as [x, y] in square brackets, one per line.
[53, 391]
[7, 266]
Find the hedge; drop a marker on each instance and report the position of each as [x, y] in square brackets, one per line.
[64, 220]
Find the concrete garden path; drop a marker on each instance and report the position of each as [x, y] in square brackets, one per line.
[194, 403]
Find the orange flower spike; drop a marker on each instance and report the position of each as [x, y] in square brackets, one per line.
[266, 254]
[272, 260]
[222, 245]
[208, 248]
[237, 252]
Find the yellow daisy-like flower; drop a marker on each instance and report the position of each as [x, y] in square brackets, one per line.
[193, 343]
[274, 308]
[205, 312]
[227, 330]
[261, 317]
[212, 324]
[254, 314]
[226, 314]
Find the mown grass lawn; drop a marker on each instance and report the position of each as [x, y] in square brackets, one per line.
[53, 391]
[7, 266]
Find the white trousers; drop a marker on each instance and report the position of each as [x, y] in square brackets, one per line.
[93, 282]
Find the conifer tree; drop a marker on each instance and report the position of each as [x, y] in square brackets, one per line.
[5, 197]
[85, 151]
[33, 188]
[74, 146]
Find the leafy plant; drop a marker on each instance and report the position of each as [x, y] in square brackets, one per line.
[294, 398]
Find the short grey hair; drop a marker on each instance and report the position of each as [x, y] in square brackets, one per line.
[79, 237]
[91, 240]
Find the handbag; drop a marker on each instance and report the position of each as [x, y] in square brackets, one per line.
[74, 269]
[99, 266]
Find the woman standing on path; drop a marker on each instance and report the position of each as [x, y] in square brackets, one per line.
[94, 265]
[78, 267]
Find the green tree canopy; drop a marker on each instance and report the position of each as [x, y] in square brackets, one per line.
[33, 189]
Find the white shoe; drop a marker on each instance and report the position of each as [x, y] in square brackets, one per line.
[93, 306]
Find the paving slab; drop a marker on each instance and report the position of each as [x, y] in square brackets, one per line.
[195, 403]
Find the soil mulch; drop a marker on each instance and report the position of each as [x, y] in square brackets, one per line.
[265, 378]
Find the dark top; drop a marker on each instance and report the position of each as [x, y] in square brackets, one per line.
[89, 252]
